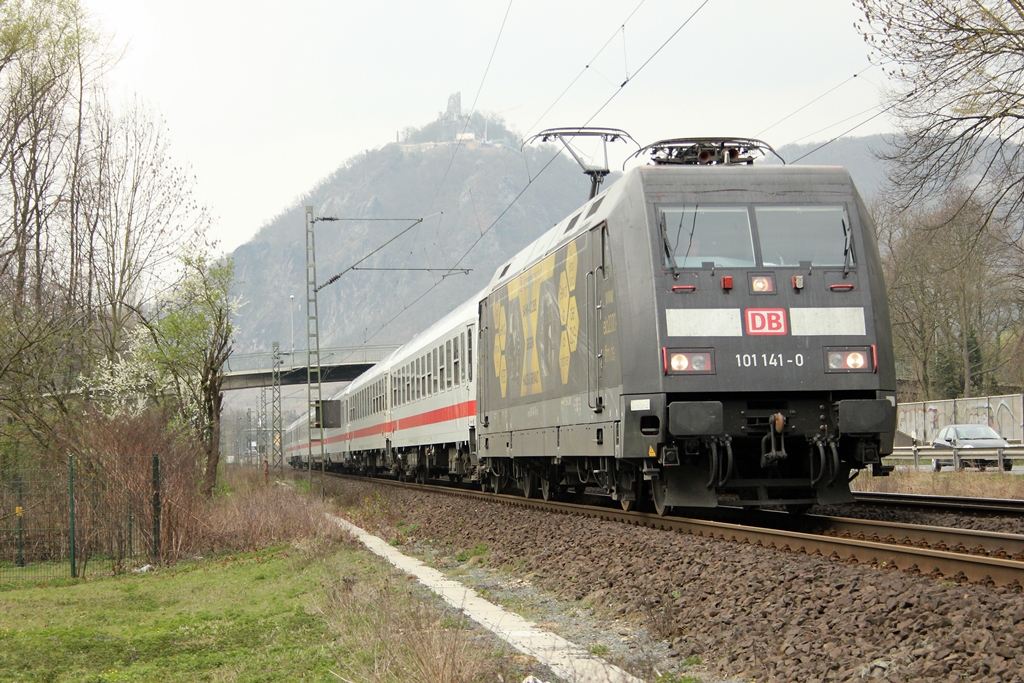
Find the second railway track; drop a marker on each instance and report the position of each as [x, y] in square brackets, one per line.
[1003, 506]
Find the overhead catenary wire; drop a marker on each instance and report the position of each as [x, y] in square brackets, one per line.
[543, 168]
[847, 132]
[819, 97]
[637, 72]
[585, 68]
[458, 143]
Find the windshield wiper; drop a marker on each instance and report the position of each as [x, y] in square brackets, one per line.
[668, 247]
[847, 247]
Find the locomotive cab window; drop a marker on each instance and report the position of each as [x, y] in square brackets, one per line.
[816, 234]
[695, 235]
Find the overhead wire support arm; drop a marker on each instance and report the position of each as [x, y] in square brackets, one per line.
[334, 278]
[449, 271]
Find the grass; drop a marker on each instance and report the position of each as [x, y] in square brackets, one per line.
[244, 617]
[969, 483]
[282, 595]
[480, 550]
[313, 613]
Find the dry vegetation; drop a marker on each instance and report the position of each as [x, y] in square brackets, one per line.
[113, 461]
[404, 635]
[967, 483]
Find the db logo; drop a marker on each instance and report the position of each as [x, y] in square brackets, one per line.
[766, 320]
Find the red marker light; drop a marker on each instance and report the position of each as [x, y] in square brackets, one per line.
[727, 282]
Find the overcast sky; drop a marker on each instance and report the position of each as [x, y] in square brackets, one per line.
[265, 98]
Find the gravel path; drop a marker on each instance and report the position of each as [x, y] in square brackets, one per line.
[745, 611]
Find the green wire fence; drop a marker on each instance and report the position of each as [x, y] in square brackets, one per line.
[74, 519]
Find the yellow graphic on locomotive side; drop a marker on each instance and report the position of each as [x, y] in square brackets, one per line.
[500, 336]
[568, 313]
[539, 338]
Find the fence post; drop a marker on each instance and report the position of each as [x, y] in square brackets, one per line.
[156, 506]
[71, 512]
[19, 511]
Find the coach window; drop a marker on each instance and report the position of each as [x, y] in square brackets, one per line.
[442, 369]
[456, 365]
[462, 346]
[469, 355]
[435, 366]
[448, 360]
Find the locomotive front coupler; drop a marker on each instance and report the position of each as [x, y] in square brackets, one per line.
[776, 425]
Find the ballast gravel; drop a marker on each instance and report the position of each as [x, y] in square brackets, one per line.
[746, 611]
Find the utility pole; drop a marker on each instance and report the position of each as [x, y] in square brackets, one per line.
[277, 448]
[264, 449]
[314, 386]
[291, 318]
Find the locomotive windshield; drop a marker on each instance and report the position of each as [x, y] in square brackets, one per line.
[698, 236]
[816, 234]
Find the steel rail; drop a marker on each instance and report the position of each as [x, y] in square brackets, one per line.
[971, 541]
[955, 566]
[1000, 505]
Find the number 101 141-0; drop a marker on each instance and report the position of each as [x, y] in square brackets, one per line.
[768, 360]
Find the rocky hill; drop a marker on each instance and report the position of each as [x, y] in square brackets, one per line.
[402, 180]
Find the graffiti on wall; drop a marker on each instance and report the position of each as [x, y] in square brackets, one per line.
[923, 420]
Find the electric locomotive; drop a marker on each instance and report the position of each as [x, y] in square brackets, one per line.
[705, 332]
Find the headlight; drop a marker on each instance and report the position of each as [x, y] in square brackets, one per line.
[848, 360]
[762, 284]
[700, 361]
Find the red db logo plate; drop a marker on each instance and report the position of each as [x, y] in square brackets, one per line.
[766, 321]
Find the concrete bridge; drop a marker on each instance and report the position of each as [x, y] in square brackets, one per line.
[339, 364]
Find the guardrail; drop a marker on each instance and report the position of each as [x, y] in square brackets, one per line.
[290, 360]
[999, 455]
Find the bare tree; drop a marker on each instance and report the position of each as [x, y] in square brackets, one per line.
[955, 308]
[957, 68]
[145, 216]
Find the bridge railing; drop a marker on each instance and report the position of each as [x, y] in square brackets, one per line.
[290, 360]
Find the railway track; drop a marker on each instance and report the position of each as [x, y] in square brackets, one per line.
[960, 504]
[954, 554]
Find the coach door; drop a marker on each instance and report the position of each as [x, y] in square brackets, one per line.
[485, 352]
[596, 284]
